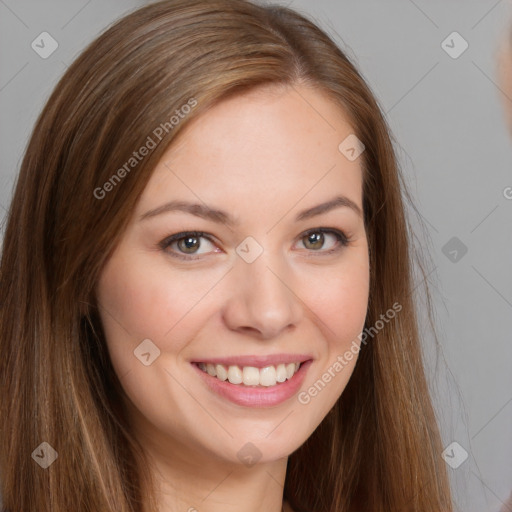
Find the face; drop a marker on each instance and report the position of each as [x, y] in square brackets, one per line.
[270, 268]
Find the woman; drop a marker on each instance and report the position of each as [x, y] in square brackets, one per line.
[207, 281]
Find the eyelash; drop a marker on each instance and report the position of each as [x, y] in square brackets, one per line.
[341, 238]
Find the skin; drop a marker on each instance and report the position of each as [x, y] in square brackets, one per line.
[262, 157]
[504, 76]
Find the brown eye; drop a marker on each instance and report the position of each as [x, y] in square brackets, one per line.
[188, 244]
[314, 240]
[317, 239]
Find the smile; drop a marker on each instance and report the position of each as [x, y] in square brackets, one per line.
[250, 375]
[254, 381]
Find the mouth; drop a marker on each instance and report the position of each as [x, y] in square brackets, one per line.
[248, 381]
[251, 376]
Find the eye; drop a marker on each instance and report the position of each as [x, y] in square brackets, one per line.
[186, 244]
[315, 240]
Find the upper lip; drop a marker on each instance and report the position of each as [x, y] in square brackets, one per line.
[256, 361]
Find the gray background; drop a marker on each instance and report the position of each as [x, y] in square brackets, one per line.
[456, 154]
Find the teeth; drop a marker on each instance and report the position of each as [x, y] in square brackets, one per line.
[222, 373]
[250, 375]
[281, 373]
[234, 375]
[268, 376]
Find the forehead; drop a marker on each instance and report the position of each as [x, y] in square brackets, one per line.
[272, 142]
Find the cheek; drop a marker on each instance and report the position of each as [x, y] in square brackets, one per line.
[140, 300]
[340, 306]
[340, 300]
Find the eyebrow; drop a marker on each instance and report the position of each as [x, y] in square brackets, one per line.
[222, 217]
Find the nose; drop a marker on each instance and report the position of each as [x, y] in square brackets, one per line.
[262, 301]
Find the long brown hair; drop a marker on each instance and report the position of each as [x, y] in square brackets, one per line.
[378, 449]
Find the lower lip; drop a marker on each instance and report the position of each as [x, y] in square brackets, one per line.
[249, 396]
